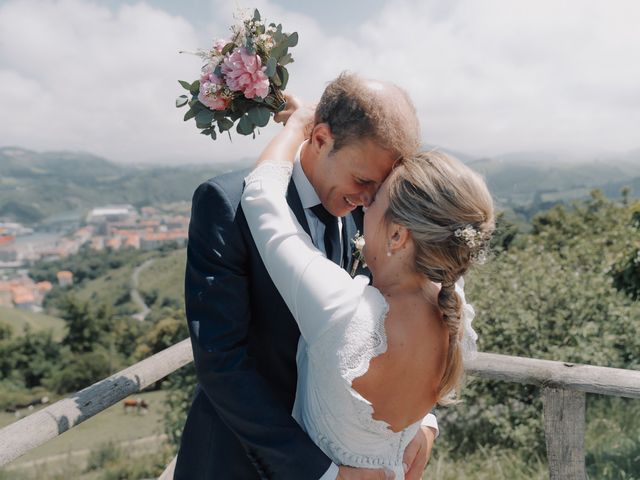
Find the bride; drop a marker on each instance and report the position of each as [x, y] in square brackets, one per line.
[374, 359]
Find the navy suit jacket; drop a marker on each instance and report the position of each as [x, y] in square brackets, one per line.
[244, 344]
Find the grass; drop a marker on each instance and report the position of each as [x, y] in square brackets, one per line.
[112, 288]
[164, 279]
[485, 464]
[112, 425]
[38, 322]
[612, 447]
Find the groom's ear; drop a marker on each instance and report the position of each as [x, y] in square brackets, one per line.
[321, 138]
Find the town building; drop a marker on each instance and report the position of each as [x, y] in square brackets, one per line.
[65, 278]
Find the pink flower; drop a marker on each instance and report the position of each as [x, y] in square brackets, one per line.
[219, 44]
[243, 72]
[212, 96]
[208, 76]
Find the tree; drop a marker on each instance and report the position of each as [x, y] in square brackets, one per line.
[550, 296]
[85, 328]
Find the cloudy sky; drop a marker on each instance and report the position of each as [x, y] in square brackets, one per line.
[487, 77]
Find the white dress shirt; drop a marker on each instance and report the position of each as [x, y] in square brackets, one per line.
[309, 198]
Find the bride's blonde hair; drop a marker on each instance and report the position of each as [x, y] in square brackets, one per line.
[449, 211]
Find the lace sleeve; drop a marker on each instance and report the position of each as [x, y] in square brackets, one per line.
[317, 291]
[276, 172]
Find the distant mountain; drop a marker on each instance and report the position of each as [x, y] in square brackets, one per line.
[523, 178]
[35, 185]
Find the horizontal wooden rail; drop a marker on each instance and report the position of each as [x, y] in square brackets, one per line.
[34, 430]
[546, 373]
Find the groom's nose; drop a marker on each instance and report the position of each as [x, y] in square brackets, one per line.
[367, 195]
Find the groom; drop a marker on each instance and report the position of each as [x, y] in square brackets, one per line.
[244, 338]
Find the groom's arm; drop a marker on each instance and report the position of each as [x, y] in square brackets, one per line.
[217, 301]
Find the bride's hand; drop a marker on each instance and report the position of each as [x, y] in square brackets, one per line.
[297, 114]
[298, 127]
[351, 473]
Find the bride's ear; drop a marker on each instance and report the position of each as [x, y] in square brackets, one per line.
[399, 237]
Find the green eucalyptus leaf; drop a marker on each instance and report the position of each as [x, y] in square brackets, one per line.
[185, 85]
[245, 126]
[228, 47]
[198, 106]
[271, 66]
[278, 37]
[235, 115]
[292, 39]
[213, 134]
[250, 46]
[195, 87]
[205, 131]
[224, 124]
[190, 114]
[285, 59]
[279, 49]
[204, 118]
[256, 15]
[181, 101]
[284, 75]
[277, 81]
[259, 116]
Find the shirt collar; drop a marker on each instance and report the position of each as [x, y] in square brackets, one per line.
[306, 192]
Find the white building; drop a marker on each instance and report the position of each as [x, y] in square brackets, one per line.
[112, 213]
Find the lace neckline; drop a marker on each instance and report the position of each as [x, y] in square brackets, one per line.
[376, 309]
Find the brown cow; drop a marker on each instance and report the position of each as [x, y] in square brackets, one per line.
[141, 406]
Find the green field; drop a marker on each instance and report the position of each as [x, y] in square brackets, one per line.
[70, 450]
[38, 322]
[164, 279]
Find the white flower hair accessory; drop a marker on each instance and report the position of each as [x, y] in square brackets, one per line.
[477, 241]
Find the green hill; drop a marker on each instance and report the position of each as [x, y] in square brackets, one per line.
[35, 185]
[522, 180]
[17, 319]
[162, 284]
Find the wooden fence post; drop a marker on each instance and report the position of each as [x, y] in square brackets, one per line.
[564, 426]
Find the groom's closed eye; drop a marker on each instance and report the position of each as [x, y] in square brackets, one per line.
[362, 181]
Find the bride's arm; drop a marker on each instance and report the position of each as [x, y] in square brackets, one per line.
[286, 143]
[316, 290]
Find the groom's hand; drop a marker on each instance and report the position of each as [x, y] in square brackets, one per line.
[351, 473]
[417, 453]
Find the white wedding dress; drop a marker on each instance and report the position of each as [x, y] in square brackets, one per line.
[341, 321]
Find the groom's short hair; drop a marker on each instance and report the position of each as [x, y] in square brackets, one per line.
[356, 109]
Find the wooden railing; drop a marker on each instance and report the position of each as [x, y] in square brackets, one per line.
[563, 385]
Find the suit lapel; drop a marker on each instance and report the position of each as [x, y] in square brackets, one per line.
[293, 199]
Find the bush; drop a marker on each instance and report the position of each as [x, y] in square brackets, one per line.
[79, 370]
[549, 297]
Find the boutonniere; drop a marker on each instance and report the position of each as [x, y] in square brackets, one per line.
[357, 244]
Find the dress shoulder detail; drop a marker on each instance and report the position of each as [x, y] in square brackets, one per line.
[276, 172]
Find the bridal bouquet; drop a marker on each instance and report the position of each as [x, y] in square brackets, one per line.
[242, 79]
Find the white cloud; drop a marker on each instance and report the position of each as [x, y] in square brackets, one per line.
[486, 77]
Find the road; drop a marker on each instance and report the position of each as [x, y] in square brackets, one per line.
[135, 294]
